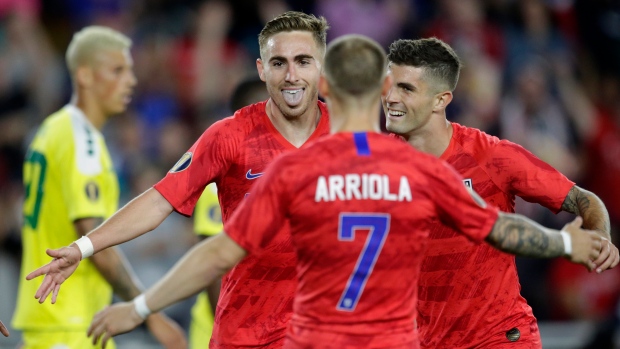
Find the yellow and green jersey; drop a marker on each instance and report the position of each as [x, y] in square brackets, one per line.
[68, 175]
[208, 222]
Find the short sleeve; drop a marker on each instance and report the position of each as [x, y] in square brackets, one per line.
[262, 213]
[519, 172]
[203, 163]
[82, 183]
[458, 206]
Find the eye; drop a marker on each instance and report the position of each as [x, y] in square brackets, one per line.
[304, 62]
[277, 64]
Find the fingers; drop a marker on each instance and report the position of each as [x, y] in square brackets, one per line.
[4, 330]
[55, 294]
[577, 222]
[40, 271]
[605, 253]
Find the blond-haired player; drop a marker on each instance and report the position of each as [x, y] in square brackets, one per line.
[71, 187]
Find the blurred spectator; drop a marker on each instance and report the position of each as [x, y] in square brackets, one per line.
[380, 20]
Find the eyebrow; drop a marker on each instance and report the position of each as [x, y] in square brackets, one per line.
[296, 58]
[407, 86]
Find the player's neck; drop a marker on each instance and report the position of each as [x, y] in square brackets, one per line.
[433, 138]
[93, 113]
[298, 129]
[360, 119]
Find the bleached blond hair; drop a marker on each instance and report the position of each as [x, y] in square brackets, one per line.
[91, 40]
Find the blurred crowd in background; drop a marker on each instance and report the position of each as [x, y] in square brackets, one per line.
[542, 73]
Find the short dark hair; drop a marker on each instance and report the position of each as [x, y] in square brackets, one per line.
[355, 65]
[248, 91]
[439, 59]
[294, 20]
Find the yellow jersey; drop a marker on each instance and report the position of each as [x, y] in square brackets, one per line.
[68, 175]
[208, 222]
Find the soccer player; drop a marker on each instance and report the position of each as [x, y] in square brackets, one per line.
[208, 222]
[469, 293]
[256, 298]
[359, 219]
[71, 187]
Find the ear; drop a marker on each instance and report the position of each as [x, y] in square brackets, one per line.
[261, 69]
[323, 87]
[387, 85]
[84, 76]
[442, 100]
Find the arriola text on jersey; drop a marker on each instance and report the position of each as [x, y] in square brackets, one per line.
[361, 187]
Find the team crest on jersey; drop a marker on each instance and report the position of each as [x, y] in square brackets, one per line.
[92, 191]
[183, 163]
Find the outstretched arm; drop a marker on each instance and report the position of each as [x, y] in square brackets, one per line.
[141, 215]
[519, 235]
[595, 217]
[202, 265]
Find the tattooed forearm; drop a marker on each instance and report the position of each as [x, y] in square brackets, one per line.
[521, 236]
[590, 207]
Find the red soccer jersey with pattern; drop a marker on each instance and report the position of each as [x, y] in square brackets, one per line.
[359, 207]
[256, 297]
[469, 293]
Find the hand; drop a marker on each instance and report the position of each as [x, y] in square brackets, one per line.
[586, 244]
[608, 258]
[113, 320]
[4, 330]
[66, 260]
[166, 331]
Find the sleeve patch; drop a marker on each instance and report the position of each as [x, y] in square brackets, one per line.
[183, 163]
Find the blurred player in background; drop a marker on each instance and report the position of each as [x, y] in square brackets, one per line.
[469, 293]
[71, 187]
[359, 204]
[208, 222]
[256, 298]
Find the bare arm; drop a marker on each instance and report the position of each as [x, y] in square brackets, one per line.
[141, 215]
[595, 217]
[112, 264]
[591, 208]
[519, 235]
[4, 330]
[203, 264]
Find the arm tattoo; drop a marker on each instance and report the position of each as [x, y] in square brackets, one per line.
[518, 235]
[590, 207]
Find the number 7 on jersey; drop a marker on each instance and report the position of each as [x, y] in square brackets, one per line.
[379, 225]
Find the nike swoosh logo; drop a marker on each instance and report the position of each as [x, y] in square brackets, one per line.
[251, 175]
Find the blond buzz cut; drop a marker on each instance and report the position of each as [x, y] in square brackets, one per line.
[90, 40]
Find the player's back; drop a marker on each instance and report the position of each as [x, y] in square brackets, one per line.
[359, 217]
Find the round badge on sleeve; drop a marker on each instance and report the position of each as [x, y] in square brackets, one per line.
[92, 191]
[183, 163]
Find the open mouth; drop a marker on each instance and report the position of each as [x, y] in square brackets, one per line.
[395, 114]
[293, 97]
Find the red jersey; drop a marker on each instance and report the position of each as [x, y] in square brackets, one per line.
[256, 298]
[351, 203]
[469, 293]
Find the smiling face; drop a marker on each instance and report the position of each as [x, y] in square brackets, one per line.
[409, 103]
[113, 80]
[291, 65]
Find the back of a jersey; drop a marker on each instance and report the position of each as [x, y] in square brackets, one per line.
[359, 220]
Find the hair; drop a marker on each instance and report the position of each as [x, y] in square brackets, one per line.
[87, 42]
[438, 59]
[355, 65]
[248, 91]
[295, 21]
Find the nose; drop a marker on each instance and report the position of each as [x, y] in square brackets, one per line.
[390, 96]
[291, 73]
[133, 81]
